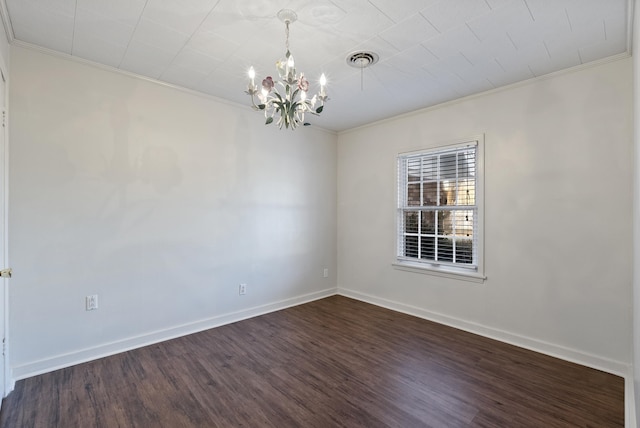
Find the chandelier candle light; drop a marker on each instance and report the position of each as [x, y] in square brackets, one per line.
[293, 103]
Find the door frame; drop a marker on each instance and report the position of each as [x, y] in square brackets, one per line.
[8, 384]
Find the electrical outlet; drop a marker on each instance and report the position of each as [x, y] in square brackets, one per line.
[242, 289]
[91, 302]
[325, 273]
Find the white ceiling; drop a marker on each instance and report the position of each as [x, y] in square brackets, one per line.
[431, 51]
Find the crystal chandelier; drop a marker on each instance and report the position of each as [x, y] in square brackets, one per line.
[291, 102]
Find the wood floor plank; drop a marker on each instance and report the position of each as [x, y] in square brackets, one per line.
[335, 362]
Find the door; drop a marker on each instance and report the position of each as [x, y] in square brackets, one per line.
[3, 236]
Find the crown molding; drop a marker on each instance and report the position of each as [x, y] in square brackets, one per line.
[6, 21]
[570, 70]
[51, 52]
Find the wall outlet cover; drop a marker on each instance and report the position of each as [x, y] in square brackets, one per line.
[91, 302]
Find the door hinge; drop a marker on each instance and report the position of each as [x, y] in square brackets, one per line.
[4, 118]
[6, 273]
[4, 346]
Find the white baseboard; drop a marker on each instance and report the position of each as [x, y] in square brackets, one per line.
[604, 364]
[630, 416]
[84, 355]
[34, 368]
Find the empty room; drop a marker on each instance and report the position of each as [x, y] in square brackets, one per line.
[319, 213]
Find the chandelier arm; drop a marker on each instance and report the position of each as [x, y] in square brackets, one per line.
[253, 103]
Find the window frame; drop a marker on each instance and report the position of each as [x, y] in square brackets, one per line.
[442, 269]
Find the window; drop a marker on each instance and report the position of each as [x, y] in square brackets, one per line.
[439, 216]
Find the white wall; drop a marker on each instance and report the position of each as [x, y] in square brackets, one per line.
[558, 215]
[161, 202]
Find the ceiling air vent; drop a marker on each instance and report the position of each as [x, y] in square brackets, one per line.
[362, 59]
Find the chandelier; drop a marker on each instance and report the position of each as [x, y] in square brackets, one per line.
[291, 102]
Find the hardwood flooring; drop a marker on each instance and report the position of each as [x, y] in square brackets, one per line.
[335, 362]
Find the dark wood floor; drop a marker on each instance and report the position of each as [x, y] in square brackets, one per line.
[333, 362]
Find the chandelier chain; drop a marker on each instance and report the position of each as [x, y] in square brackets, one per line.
[286, 32]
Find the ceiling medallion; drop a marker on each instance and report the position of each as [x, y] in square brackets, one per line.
[291, 102]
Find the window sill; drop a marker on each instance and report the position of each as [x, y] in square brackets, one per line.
[440, 271]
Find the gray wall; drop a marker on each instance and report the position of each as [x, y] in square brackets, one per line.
[558, 215]
[161, 202]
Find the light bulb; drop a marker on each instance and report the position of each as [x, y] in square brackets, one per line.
[323, 82]
[252, 76]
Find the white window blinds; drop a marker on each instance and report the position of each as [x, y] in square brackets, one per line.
[437, 209]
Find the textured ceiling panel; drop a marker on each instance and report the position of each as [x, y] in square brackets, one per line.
[446, 15]
[414, 29]
[431, 51]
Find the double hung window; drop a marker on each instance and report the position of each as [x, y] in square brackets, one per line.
[438, 208]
